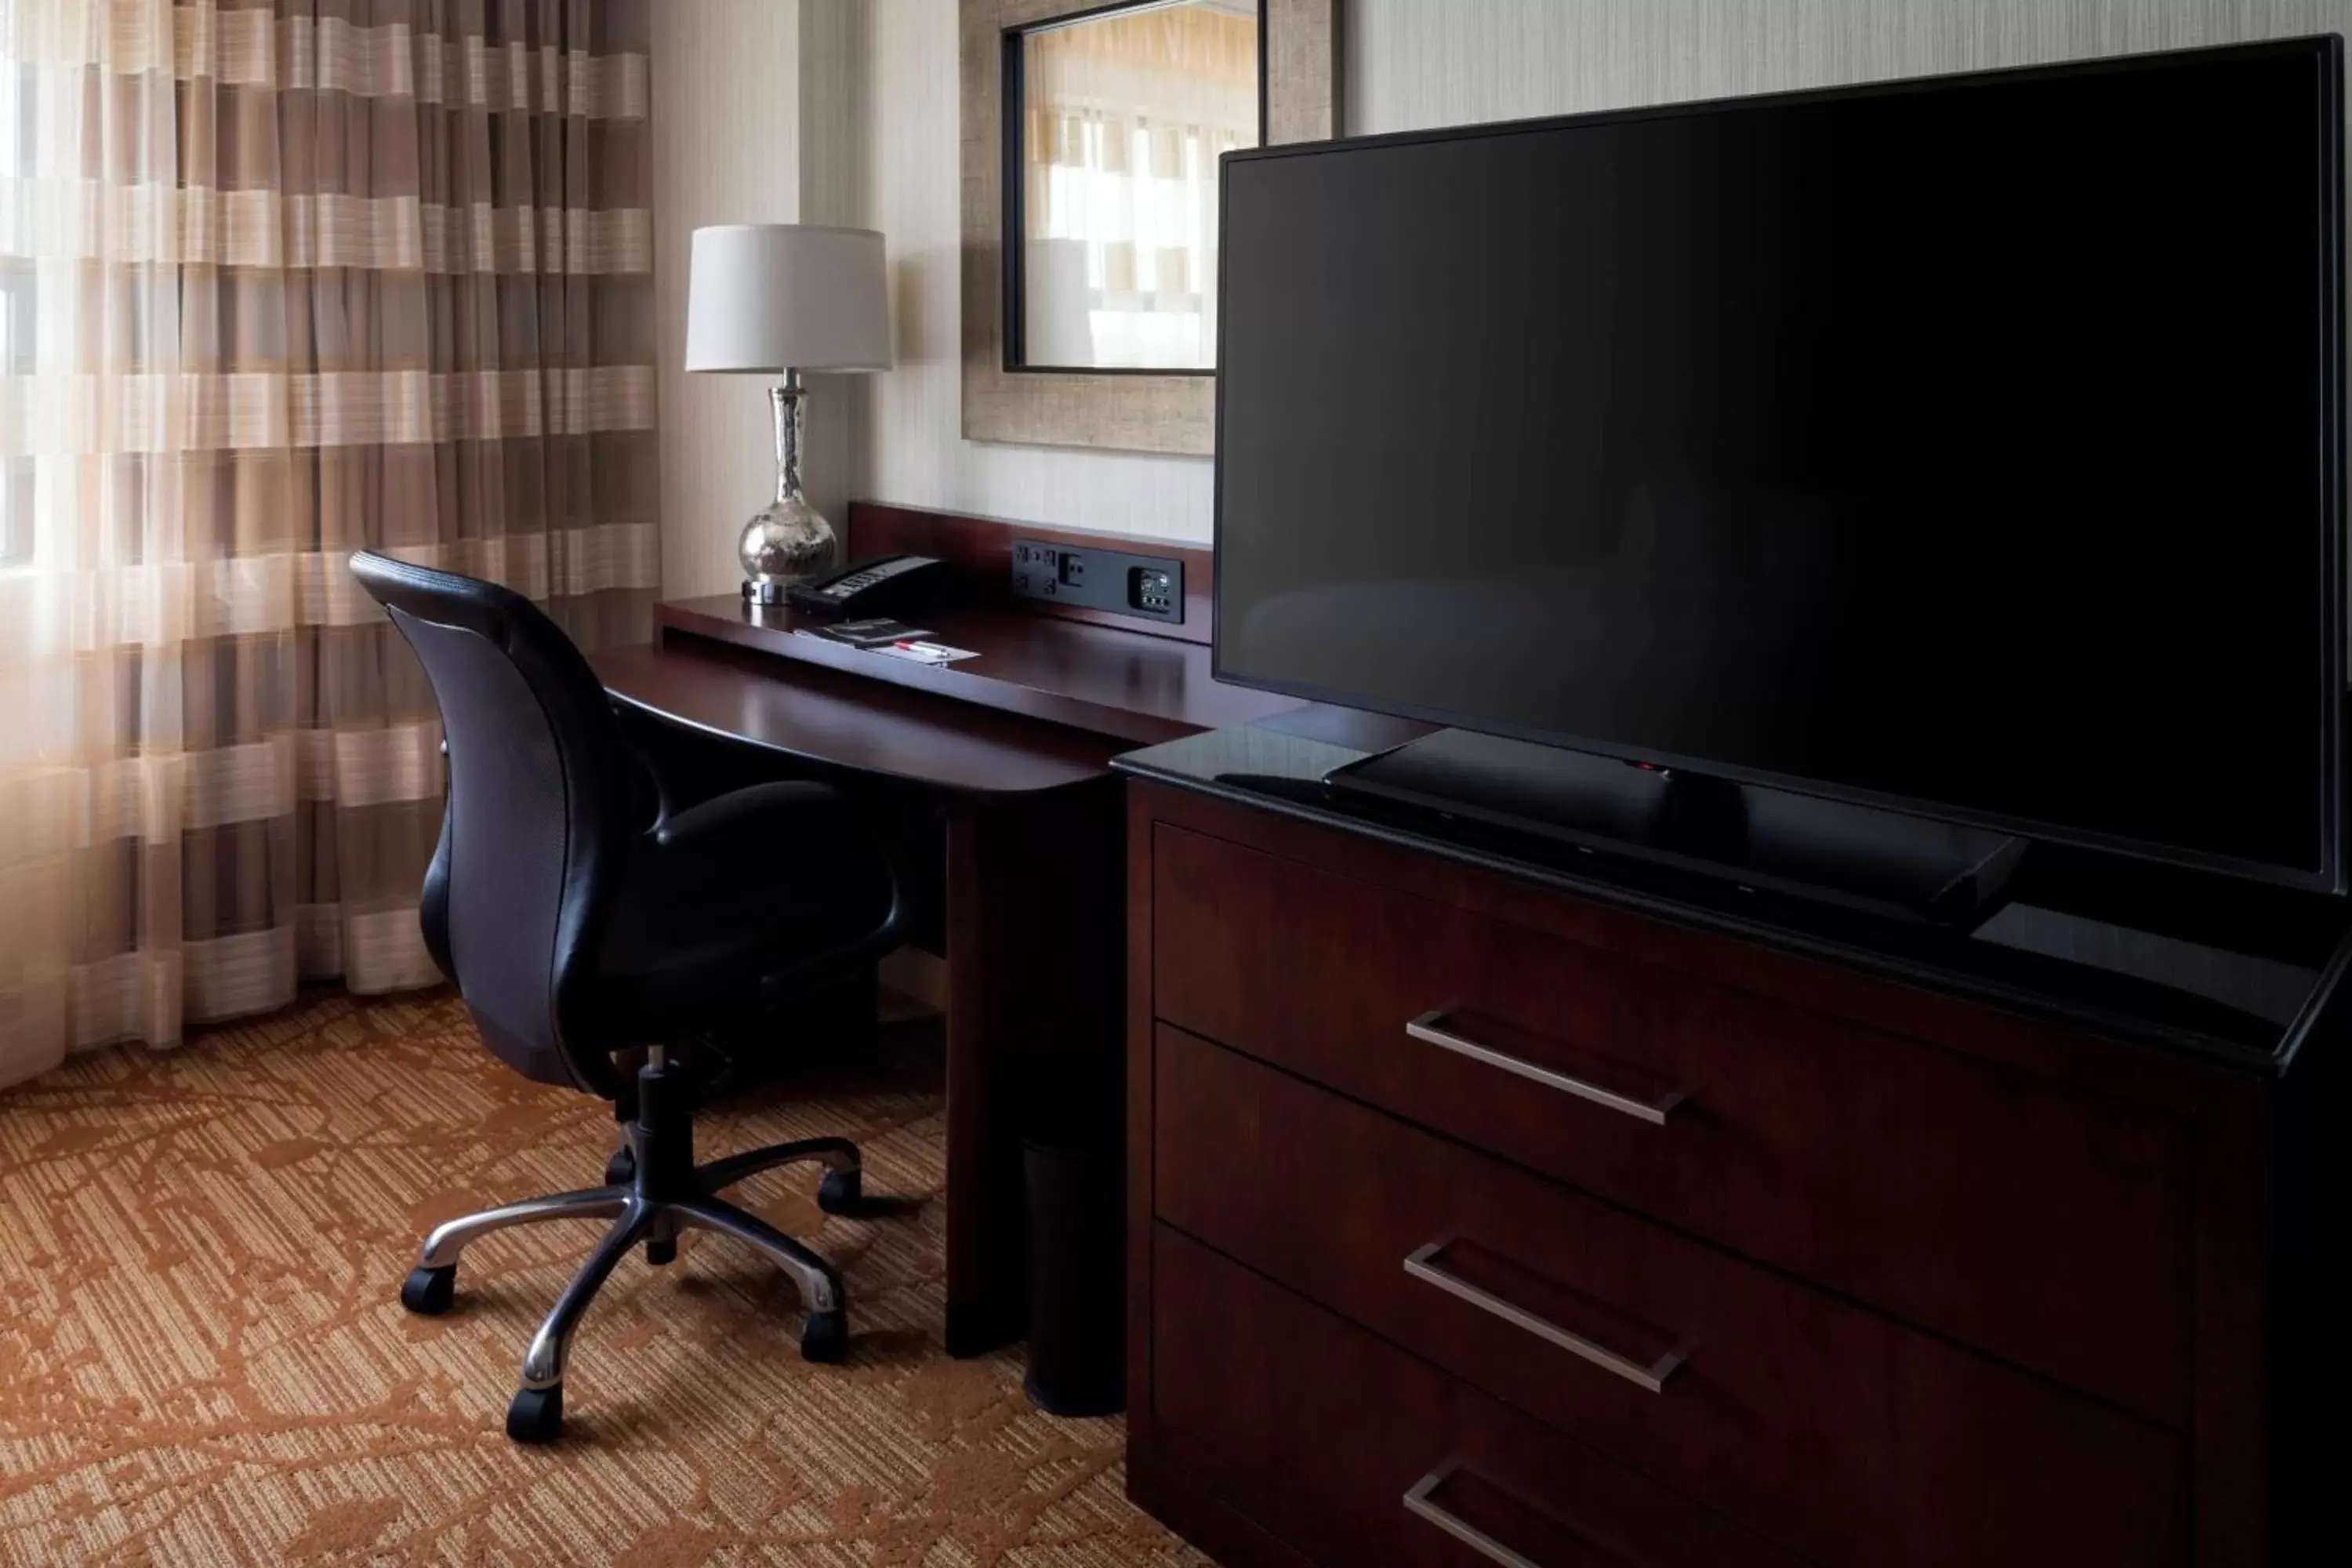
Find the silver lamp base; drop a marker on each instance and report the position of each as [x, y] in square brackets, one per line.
[787, 540]
[767, 592]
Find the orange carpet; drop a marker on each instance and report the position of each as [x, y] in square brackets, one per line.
[202, 1361]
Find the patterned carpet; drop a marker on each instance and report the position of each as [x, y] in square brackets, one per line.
[201, 1359]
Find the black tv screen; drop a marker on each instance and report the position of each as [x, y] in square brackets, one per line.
[1970, 445]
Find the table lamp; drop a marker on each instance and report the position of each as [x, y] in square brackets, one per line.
[779, 299]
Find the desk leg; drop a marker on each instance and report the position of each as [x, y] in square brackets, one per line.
[1035, 951]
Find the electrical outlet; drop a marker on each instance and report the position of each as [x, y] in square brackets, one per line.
[1149, 587]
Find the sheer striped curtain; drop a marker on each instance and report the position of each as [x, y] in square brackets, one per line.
[278, 279]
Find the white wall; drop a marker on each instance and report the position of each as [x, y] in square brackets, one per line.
[725, 133]
[878, 79]
[1411, 64]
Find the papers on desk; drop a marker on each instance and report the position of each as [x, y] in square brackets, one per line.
[913, 645]
[874, 631]
[926, 652]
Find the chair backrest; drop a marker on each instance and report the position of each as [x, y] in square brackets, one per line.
[542, 789]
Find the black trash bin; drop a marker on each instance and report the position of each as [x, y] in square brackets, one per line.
[1077, 1272]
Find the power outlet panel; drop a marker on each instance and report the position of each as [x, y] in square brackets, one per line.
[1149, 587]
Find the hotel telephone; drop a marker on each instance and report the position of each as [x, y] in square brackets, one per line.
[888, 584]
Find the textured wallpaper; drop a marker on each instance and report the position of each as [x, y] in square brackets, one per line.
[878, 126]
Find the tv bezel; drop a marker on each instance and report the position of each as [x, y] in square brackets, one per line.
[2326, 53]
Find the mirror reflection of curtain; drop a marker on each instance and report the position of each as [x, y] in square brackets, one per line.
[1125, 116]
[285, 279]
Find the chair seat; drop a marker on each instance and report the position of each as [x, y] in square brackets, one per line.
[711, 920]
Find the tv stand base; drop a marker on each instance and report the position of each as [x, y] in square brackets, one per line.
[1883, 862]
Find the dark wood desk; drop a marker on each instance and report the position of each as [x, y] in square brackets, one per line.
[1013, 749]
[836, 718]
[1131, 686]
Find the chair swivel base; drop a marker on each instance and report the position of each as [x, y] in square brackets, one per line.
[660, 1192]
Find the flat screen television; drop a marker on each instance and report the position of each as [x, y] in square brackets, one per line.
[1971, 446]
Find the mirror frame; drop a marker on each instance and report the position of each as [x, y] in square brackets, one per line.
[1122, 410]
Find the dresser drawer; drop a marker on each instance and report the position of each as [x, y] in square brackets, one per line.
[1822, 1424]
[2042, 1224]
[1319, 1431]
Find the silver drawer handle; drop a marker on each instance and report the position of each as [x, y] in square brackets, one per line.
[1654, 1111]
[1418, 1501]
[1423, 1265]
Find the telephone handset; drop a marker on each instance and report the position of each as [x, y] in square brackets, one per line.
[888, 584]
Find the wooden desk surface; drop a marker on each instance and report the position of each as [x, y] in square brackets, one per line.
[805, 711]
[1102, 679]
[1019, 740]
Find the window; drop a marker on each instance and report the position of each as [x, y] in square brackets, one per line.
[16, 328]
[17, 284]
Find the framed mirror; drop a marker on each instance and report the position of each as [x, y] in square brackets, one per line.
[1091, 134]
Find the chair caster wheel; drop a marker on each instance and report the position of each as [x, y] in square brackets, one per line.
[826, 1336]
[428, 1291]
[621, 1168]
[842, 1192]
[536, 1414]
[660, 1252]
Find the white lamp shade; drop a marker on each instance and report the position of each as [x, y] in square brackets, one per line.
[771, 297]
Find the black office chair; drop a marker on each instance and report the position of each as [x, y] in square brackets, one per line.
[607, 943]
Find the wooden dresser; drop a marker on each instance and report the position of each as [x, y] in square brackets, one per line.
[1475, 1218]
